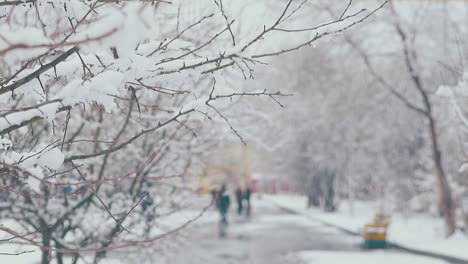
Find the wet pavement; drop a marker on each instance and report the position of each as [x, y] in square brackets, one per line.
[270, 236]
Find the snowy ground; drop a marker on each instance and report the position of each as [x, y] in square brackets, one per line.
[273, 236]
[13, 247]
[421, 232]
[381, 257]
[270, 236]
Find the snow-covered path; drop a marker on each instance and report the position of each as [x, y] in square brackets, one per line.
[270, 236]
[273, 236]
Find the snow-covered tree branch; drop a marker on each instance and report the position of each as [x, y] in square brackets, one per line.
[101, 100]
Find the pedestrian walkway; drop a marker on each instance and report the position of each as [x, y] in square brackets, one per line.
[270, 236]
[352, 224]
[276, 236]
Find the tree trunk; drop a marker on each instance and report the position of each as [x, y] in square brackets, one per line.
[314, 192]
[59, 255]
[59, 258]
[75, 258]
[313, 199]
[329, 194]
[46, 243]
[465, 218]
[446, 202]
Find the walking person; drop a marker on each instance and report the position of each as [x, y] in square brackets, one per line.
[222, 203]
[239, 199]
[214, 197]
[247, 195]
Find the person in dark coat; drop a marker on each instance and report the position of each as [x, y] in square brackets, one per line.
[223, 203]
[239, 199]
[247, 194]
[214, 197]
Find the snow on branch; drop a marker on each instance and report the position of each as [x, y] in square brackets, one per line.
[103, 102]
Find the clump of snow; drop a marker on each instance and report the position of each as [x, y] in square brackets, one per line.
[21, 36]
[51, 159]
[463, 167]
[452, 94]
[444, 91]
[5, 144]
[198, 105]
[34, 180]
[46, 158]
[47, 111]
[99, 89]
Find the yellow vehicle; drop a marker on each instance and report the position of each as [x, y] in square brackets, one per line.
[375, 233]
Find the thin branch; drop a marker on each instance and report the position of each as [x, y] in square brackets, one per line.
[35, 74]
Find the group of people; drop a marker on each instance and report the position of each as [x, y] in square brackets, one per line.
[243, 200]
[222, 201]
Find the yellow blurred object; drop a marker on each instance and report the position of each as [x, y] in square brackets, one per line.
[205, 191]
[375, 233]
[382, 218]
